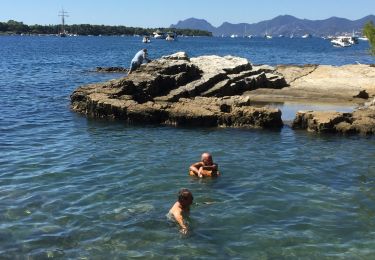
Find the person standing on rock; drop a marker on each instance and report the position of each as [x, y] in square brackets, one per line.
[205, 168]
[138, 59]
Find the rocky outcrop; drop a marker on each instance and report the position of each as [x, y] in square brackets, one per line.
[178, 90]
[321, 83]
[361, 121]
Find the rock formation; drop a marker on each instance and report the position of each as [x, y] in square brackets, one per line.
[216, 91]
[321, 83]
[361, 121]
[177, 90]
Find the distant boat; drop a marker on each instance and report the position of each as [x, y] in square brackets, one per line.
[234, 36]
[158, 34]
[267, 36]
[363, 38]
[63, 14]
[171, 36]
[250, 36]
[307, 35]
[341, 41]
[146, 39]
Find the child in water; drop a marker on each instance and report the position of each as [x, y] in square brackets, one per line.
[205, 168]
[181, 209]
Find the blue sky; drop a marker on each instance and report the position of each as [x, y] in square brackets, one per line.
[162, 13]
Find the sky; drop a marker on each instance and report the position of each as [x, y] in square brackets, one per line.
[163, 13]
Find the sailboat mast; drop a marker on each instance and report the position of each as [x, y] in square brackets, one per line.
[63, 14]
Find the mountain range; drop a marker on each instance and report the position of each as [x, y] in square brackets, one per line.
[280, 25]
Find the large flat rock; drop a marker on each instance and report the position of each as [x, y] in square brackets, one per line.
[219, 91]
[177, 90]
[322, 83]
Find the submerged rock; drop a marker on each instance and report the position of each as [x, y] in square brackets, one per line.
[178, 90]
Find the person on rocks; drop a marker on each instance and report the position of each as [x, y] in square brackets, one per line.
[138, 59]
[205, 168]
[181, 209]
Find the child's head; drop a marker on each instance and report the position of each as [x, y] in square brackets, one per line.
[206, 158]
[185, 197]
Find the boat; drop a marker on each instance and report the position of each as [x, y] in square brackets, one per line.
[267, 36]
[353, 39]
[146, 39]
[158, 34]
[363, 38]
[341, 41]
[234, 36]
[171, 36]
[307, 35]
[63, 14]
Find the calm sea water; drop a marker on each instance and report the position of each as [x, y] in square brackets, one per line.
[86, 189]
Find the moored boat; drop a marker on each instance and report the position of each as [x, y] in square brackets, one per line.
[341, 41]
[158, 34]
[146, 39]
[171, 36]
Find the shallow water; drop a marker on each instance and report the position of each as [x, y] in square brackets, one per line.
[77, 188]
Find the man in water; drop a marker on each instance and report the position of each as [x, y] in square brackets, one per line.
[181, 209]
[205, 168]
[138, 60]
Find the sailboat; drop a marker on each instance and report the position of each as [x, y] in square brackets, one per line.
[63, 14]
[267, 36]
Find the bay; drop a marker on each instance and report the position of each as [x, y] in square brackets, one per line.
[72, 187]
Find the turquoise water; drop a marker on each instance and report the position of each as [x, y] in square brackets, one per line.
[77, 188]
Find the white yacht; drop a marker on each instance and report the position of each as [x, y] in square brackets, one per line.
[267, 36]
[158, 34]
[341, 41]
[171, 36]
[363, 38]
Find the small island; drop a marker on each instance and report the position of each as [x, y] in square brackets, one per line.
[219, 92]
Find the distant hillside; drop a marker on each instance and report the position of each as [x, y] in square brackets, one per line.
[283, 24]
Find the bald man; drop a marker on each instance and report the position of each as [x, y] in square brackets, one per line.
[205, 168]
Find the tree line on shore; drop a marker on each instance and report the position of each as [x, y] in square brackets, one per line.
[14, 27]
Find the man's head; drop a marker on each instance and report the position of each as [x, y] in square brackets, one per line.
[145, 50]
[206, 158]
[185, 197]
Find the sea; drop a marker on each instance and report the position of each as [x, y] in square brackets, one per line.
[78, 188]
